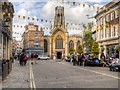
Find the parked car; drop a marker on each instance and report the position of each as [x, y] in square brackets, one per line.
[115, 67]
[93, 62]
[43, 57]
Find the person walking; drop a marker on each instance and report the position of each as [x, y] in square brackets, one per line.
[25, 59]
[83, 60]
[22, 59]
[74, 60]
[80, 60]
[102, 58]
[32, 58]
[35, 58]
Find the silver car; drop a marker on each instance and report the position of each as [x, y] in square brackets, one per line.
[43, 57]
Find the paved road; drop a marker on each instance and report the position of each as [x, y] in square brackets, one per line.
[52, 74]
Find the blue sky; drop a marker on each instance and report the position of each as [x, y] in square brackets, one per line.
[45, 9]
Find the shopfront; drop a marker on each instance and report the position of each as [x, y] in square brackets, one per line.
[111, 51]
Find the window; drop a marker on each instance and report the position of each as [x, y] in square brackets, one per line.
[113, 15]
[36, 34]
[114, 31]
[59, 42]
[108, 17]
[71, 44]
[105, 33]
[102, 34]
[110, 31]
[36, 45]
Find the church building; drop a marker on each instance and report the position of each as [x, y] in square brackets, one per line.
[57, 44]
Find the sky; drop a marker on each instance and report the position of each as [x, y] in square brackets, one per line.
[45, 9]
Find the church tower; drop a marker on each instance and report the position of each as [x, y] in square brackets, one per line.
[59, 19]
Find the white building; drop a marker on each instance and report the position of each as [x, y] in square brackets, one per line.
[108, 30]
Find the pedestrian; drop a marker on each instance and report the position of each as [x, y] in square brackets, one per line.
[19, 56]
[32, 58]
[22, 59]
[102, 58]
[25, 59]
[74, 60]
[83, 60]
[35, 58]
[80, 60]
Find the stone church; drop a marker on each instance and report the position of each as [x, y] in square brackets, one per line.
[57, 44]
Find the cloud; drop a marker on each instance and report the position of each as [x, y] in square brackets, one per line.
[46, 10]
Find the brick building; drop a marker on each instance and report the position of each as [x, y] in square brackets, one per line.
[33, 39]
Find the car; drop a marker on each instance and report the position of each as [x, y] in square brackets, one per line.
[93, 62]
[43, 57]
[115, 67]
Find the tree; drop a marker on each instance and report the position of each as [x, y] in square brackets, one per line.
[80, 49]
[71, 50]
[118, 48]
[95, 49]
[87, 37]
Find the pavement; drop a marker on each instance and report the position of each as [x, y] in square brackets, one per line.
[18, 78]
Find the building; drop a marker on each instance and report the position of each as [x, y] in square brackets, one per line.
[33, 39]
[108, 27]
[17, 47]
[57, 44]
[6, 16]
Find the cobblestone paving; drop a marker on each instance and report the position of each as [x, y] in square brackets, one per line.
[18, 78]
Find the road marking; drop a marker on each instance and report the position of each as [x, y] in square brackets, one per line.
[32, 82]
[101, 73]
[96, 72]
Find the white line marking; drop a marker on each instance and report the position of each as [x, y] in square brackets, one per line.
[96, 72]
[101, 73]
[32, 82]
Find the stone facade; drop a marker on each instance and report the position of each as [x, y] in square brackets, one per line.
[108, 30]
[6, 16]
[57, 43]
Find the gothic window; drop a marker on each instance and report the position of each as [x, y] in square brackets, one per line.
[71, 44]
[59, 42]
[45, 46]
[58, 17]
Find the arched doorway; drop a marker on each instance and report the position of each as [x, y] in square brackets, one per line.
[59, 55]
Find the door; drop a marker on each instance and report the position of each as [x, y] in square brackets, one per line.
[59, 55]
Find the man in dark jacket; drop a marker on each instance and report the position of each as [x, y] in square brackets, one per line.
[80, 60]
[22, 59]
